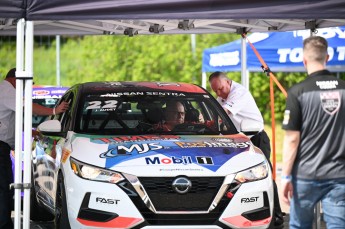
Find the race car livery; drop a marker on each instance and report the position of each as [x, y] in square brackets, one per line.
[104, 163]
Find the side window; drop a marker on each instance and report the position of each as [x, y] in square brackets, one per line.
[65, 117]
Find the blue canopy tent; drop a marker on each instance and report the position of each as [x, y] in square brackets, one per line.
[282, 51]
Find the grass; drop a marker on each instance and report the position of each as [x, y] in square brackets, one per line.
[278, 140]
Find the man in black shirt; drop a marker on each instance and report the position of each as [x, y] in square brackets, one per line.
[314, 148]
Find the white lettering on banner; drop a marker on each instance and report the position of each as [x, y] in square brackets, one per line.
[325, 32]
[295, 55]
[225, 58]
[330, 52]
[341, 51]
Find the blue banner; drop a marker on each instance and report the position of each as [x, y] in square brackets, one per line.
[282, 51]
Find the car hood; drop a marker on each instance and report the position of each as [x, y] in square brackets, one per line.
[171, 155]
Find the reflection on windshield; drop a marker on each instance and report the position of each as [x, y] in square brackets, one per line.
[189, 115]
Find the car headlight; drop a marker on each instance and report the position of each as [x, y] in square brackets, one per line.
[258, 172]
[94, 173]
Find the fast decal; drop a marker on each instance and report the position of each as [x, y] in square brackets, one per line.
[123, 139]
[249, 200]
[330, 101]
[65, 154]
[109, 105]
[106, 201]
[213, 144]
[128, 150]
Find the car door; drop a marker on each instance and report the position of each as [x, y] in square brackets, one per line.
[47, 157]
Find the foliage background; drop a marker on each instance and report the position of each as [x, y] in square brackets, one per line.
[149, 58]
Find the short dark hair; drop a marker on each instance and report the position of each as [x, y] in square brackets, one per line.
[11, 73]
[216, 75]
[316, 48]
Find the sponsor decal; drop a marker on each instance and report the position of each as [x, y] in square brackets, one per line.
[106, 201]
[330, 101]
[135, 148]
[65, 154]
[123, 139]
[158, 93]
[327, 84]
[286, 117]
[40, 92]
[167, 84]
[204, 160]
[222, 139]
[185, 160]
[180, 170]
[249, 200]
[212, 144]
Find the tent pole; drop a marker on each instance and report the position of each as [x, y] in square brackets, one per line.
[203, 80]
[244, 76]
[58, 82]
[19, 121]
[28, 120]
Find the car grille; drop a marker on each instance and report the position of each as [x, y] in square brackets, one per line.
[164, 198]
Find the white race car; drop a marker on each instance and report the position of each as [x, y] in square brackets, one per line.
[109, 162]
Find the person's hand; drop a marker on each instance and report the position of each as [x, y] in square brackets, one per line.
[63, 106]
[287, 189]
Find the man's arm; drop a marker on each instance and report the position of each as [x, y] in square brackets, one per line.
[42, 110]
[290, 146]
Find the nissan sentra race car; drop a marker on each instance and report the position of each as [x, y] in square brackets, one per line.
[106, 163]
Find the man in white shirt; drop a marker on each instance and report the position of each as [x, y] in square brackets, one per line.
[7, 130]
[239, 104]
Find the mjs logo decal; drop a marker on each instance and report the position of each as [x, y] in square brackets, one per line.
[134, 148]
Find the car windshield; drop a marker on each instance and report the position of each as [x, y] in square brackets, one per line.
[190, 114]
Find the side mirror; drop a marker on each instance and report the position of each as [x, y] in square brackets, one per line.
[50, 126]
[250, 127]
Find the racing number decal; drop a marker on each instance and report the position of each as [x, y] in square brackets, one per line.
[109, 104]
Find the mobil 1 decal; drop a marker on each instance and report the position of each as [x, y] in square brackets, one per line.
[209, 156]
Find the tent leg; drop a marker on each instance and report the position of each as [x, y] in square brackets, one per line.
[19, 122]
[244, 75]
[203, 80]
[28, 120]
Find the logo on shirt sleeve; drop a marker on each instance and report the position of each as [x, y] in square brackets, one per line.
[286, 117]
[330, 101]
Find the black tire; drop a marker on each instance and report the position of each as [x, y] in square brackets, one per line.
[37, 212]
[61, 217]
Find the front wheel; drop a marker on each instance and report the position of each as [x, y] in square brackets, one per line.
[61, 218]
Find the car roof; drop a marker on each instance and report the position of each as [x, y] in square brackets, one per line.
[125, 86]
